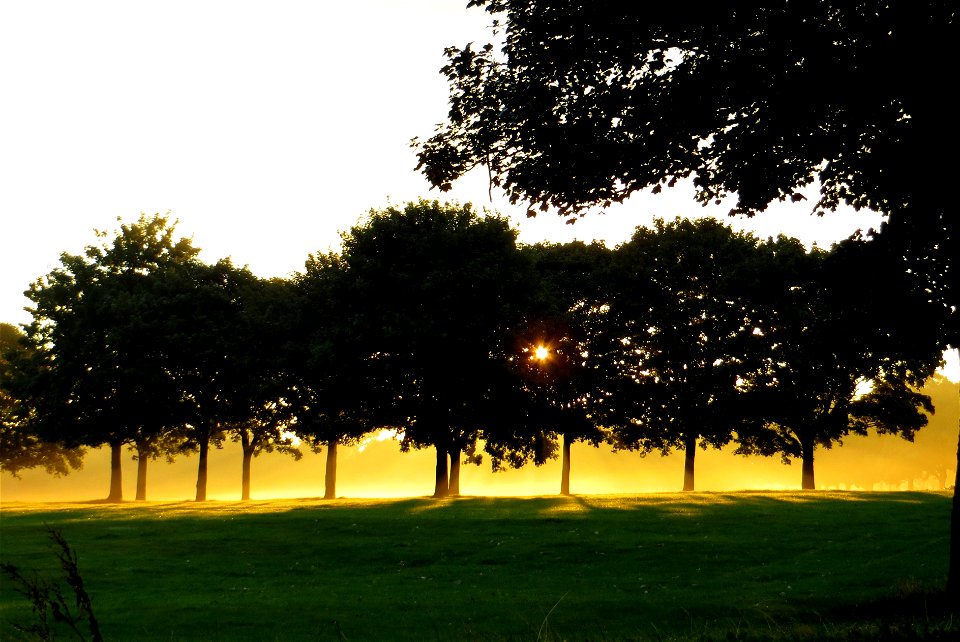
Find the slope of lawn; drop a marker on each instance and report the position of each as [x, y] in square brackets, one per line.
[696, 566]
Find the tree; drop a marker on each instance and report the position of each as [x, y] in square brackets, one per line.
[589, 102]
[436, 290]
[681, 297]
[334, 392]
[261, 343]
[830, 366]
[20, 447]
[167, 443]
[209, 357]
[554, 361]
[96, 374]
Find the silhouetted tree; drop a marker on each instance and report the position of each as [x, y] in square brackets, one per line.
[261, 343]
[437, 289]
[336, 395]
[554, 360]
[209, 357]
[97, 347]
[588, 102]
[841, 355]
[20, 447]
[681, 294]
[166, 443]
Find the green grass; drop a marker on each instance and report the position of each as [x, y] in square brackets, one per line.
[698, 566]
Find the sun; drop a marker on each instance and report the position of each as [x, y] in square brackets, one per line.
[540, 353]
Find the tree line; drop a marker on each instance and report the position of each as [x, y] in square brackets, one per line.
[582, 104]
[433, 321]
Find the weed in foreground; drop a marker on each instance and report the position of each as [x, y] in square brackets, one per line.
[50, 607]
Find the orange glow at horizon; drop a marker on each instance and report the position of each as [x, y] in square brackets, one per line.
[379, 470]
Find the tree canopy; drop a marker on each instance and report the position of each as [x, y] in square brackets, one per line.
[97, 345]
[336, 397]
[840, 355]
[682, 296]
[435, 291]
[586, 103]
[555, 381]
[434, 322]
[211, 358]
[21, 447]
[259, 343]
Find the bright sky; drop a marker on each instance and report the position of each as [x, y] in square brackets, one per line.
[265, 128]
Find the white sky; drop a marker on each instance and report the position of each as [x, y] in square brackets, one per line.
[265, 128]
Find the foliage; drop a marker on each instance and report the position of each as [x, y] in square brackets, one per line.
[561, 391]
[20, 447]
[681, 296]
[260, 342]
[435, 291]
[97, 344]
[337, 398]
[841, 357]
[95, 337]
[139, 342]
[589, 102]
[212, 356]
[683, 336]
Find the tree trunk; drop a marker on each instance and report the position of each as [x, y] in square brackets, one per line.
[953, 572]
[806, 449]
[141, 473]
[565, 466]
[245, 479]
[454, 486]
[330, 474]
[202, 470]
[690, 453]
[116, 474]
[442, 486]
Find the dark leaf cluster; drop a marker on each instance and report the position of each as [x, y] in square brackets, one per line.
[432, 321]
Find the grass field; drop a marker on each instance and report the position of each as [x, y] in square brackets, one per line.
[733, 566]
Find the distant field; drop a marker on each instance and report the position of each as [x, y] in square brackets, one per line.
[701, 566]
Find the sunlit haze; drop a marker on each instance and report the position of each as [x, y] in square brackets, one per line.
[266, 130]
[376, 468]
